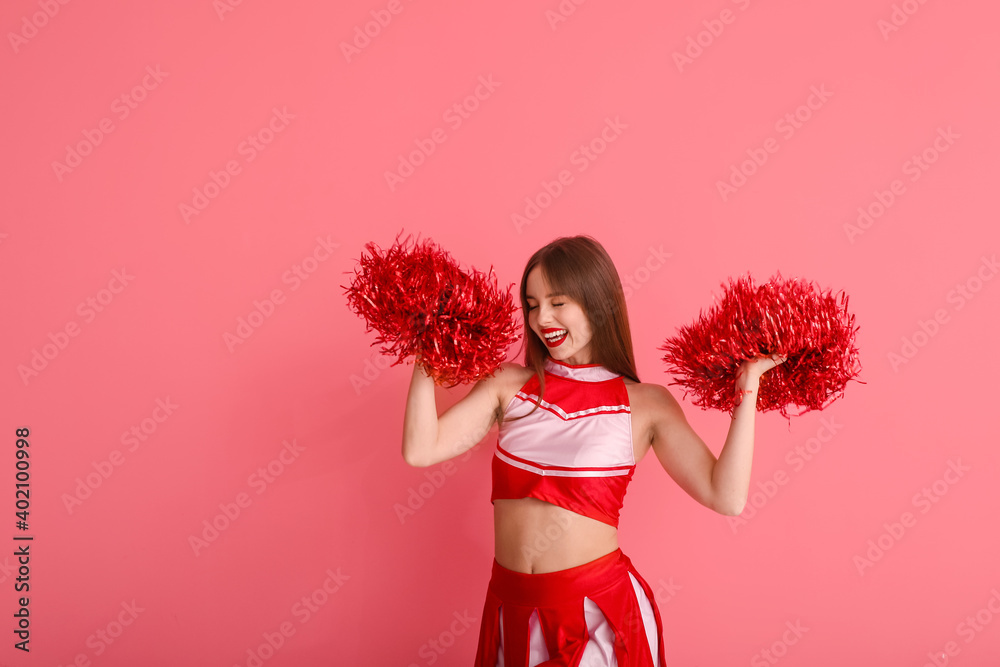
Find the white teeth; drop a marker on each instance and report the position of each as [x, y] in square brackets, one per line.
[556, 334]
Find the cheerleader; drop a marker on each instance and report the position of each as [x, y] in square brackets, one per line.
[573, 423]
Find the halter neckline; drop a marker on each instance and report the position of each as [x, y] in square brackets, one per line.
[581, 372]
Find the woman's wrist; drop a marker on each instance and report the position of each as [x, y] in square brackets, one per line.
[421, 368]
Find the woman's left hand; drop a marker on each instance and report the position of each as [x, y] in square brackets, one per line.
[748, 375]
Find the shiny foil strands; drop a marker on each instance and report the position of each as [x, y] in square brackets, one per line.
[421, 303]
[790, 317]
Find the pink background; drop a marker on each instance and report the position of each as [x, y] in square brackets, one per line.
[307, 376]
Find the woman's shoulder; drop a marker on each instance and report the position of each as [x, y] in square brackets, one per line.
[649, 394]
[513, 373]
[509, 379]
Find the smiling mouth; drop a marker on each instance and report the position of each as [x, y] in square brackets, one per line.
[555, 337]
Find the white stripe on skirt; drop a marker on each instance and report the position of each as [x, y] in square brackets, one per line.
[600, 650]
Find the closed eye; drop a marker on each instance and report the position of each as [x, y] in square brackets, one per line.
[555, 304]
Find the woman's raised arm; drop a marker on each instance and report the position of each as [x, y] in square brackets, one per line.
[429, 439]
[720, 484]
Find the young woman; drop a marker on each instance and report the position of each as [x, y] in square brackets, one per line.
[574, 421]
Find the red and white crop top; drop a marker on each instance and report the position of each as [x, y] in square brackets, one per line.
[575, 450]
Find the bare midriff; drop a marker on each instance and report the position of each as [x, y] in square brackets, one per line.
[533, 536]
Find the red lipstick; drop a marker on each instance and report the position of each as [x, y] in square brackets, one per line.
[553, 342]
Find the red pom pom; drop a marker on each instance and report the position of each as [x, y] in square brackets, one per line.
[422, 303]
[789, 317]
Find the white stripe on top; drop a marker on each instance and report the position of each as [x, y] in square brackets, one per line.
[533, 398]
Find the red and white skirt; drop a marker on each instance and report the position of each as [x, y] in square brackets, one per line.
[601, 613]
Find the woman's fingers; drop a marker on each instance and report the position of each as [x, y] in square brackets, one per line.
[761, 364]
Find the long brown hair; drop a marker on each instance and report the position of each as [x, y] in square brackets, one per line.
[581, 268]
